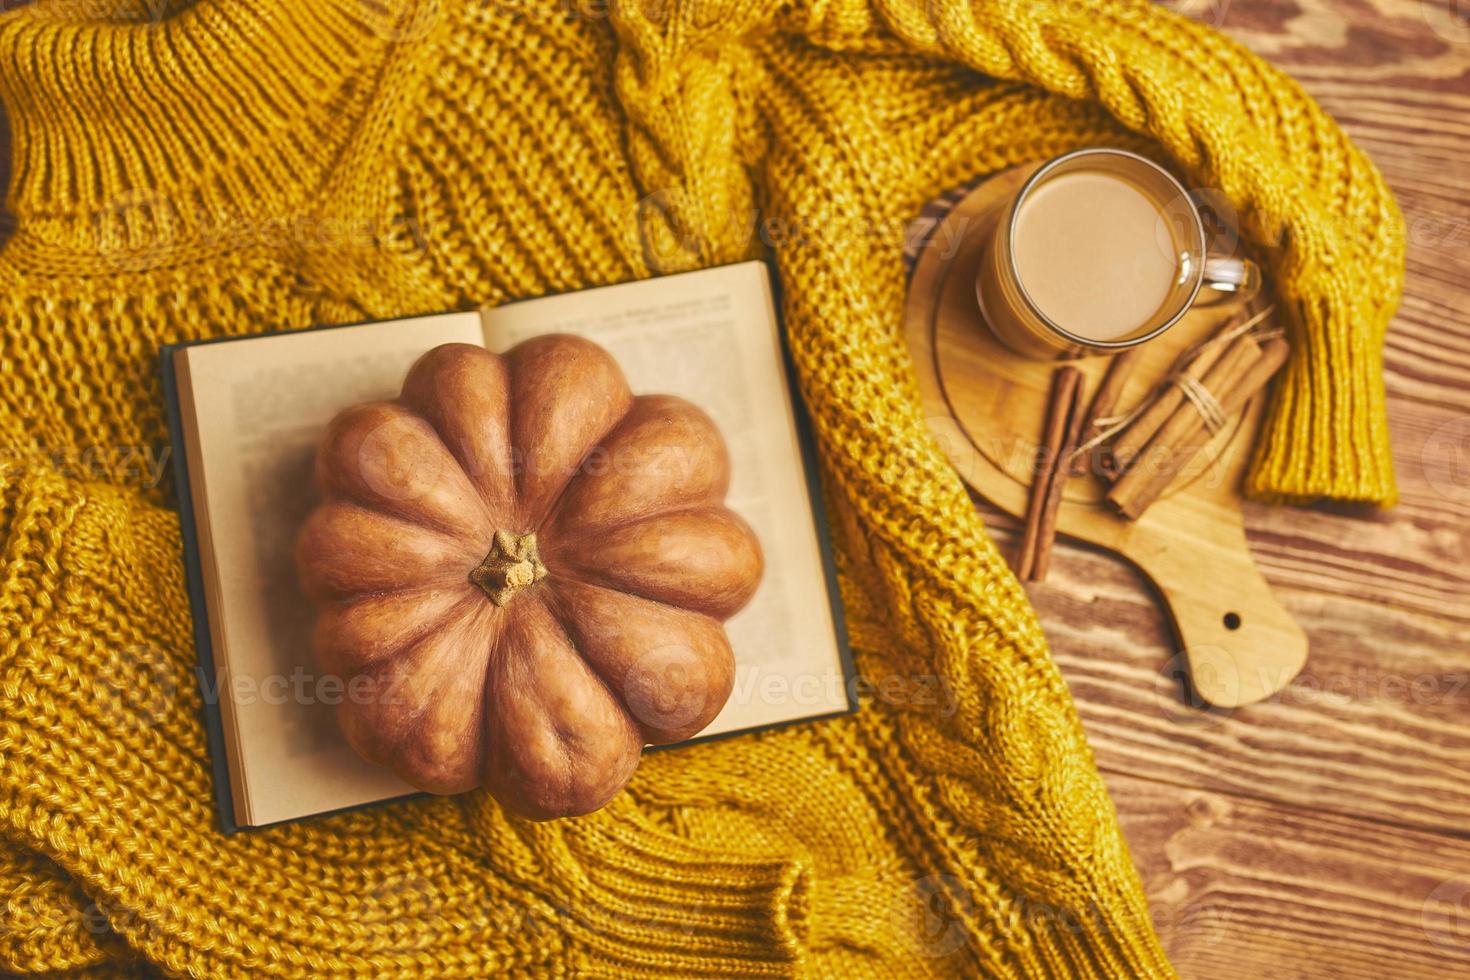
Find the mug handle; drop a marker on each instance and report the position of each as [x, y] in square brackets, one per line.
[1228, 278]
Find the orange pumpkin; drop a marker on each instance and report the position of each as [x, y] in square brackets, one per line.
[523, 572]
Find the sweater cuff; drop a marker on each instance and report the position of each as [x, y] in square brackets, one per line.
[1326, 433]
[636, 900]
[663, 915]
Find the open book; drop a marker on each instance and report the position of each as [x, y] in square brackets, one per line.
[246, 415]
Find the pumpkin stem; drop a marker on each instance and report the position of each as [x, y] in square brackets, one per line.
[512, 564]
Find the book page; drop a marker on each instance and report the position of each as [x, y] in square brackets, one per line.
[260, 408]
[711, 337]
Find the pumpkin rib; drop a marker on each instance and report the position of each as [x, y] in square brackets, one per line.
[428, 525]
[606, 624]
[323, 548]
[403, 746]
[541, 597]
[534, 522]
[339, 483]
[456, 388]
[555, 363]
[550, 599]
[648, 569]
[550, 532]
[335, 617]
[580, 578]
[536, 720]
[547, 515]
[641, 488]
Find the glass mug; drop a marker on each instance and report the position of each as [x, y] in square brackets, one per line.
[1100, 250]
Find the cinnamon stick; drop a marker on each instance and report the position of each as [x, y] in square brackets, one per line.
[1104, 403]
[1185, 435]
[1159, 459]
[1061, 408]
[1046, 534]
[1138, 434]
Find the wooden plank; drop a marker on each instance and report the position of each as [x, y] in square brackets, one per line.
[1239, 888]
[1374, 727]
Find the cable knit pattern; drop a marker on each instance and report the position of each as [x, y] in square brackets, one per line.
[225, 167]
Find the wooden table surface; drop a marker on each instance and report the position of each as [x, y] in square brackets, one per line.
[1325, 833]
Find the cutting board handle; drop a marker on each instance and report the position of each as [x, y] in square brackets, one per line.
[1240, 645]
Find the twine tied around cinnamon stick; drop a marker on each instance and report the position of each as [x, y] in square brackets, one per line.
[1135, 429]
[1242, 370]
[1204, 402]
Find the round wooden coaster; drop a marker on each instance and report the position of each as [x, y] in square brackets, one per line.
[987, 407]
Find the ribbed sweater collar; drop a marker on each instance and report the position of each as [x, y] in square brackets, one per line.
[163, 124]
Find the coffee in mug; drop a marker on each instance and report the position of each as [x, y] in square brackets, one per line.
[1100, 250]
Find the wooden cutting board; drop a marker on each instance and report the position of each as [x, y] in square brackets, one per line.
[987, 407]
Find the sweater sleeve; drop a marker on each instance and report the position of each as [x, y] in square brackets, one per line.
[1246, 130]
[105, 778]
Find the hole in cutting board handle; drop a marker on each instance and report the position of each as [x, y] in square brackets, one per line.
[1232, 621]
